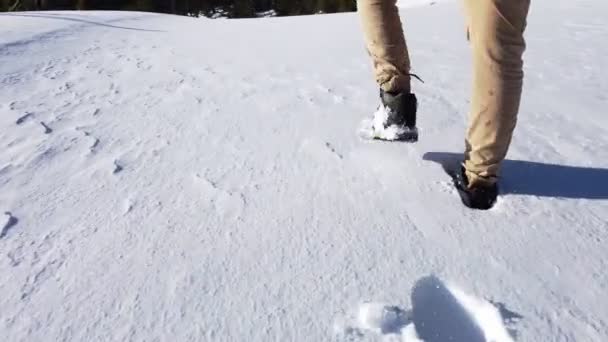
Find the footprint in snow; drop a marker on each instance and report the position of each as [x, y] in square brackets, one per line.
[117, 167]
[321, 150]
[94, 143]
[331, 148]
[24, 118]
[17, 105]
[7, 223]
[47, 129]
[128, 205]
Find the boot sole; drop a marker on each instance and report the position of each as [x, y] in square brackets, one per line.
[409, 137]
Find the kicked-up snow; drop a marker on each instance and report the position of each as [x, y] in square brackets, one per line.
[172, 179]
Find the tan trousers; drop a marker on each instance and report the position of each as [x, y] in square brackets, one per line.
[495, 30]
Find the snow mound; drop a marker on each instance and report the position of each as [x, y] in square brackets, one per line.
[381, 318]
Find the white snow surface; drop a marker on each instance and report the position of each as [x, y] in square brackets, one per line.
[172, 179]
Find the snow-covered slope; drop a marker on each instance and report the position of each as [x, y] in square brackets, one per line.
[166, 178]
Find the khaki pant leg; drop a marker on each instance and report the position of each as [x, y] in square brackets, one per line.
[386, 44]
[496, 30]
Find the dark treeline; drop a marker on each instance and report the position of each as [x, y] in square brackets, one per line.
[210, 8]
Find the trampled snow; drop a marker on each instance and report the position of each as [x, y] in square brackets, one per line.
[172, 179]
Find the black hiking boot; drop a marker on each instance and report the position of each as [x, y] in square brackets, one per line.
[396, 117]
[479, 196]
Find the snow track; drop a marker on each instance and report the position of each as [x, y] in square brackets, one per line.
[169, 178]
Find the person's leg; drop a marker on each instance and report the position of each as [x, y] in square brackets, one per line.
[386, 44]
[495, 30]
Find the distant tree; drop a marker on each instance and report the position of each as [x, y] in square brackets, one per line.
[347, 5]
[230, 8]
[143, 5]
[14, 5]
[243, 9]
[4, 5]
[281, 6]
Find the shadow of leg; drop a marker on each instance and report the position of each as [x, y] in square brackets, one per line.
[448, 161]
[540, 179]
[439, 317]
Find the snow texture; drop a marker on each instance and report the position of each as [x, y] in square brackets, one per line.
[172, 179]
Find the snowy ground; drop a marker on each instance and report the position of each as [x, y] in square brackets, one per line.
[172, 179]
